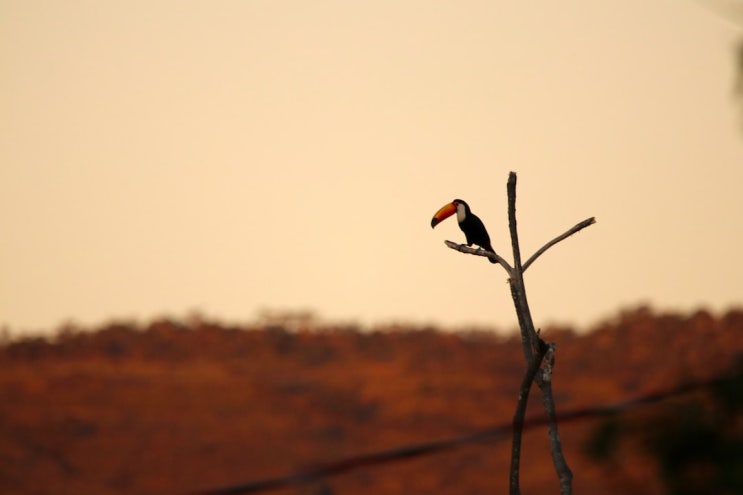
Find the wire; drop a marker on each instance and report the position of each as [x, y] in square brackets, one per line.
[427, 448]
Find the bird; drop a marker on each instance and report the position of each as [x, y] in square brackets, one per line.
[473, 228]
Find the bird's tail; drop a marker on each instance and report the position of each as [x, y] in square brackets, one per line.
[490, 248]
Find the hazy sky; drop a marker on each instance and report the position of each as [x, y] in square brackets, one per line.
[159, 158]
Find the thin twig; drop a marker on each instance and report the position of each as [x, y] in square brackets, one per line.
[578, 227]
[463, 248]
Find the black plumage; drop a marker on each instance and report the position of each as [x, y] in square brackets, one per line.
[473, 228]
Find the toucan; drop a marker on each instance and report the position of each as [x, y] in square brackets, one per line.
[471, 225]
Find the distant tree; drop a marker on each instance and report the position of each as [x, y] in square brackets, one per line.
[731, 12]
[696, 442]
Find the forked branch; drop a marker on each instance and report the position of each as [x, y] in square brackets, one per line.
[463, 248]
[520, 414]
[538, 354]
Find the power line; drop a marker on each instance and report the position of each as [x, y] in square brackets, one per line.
[426, 448]
[350, 463]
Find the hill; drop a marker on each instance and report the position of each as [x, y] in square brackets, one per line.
[176, 408]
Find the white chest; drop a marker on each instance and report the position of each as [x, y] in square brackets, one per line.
[460, 213]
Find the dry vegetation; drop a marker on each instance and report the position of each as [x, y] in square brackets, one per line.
[174, 408]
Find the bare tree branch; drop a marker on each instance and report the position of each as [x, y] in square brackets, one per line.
[578, 227]
[518, 418]
[518, 289]
[463, 248]
[544, 382]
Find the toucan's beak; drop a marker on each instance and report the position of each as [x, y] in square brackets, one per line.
[445, 212]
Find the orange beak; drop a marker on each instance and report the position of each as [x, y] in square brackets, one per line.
[445, 212]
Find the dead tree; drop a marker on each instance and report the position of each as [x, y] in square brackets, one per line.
[539, 355]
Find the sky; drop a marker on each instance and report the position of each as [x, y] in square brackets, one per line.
[228, 158]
